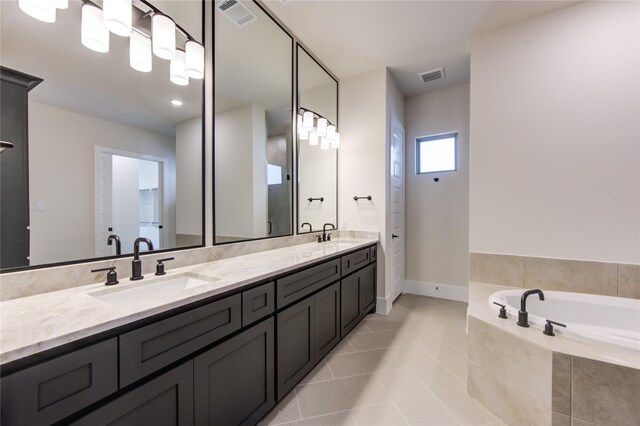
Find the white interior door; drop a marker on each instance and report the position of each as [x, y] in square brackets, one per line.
[396, 185]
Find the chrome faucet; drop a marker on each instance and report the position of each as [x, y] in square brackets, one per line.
[114, 237]
[523, 315]
[136, 264]
[324, 231]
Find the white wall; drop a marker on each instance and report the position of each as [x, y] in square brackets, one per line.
[61, 174]
[241, 173]
[437, 214]
[366, 104]
[555, 151]
[318, 178]
[189, 177]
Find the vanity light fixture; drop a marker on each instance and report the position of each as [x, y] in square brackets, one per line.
[177, 73]
[176, 102]
[42, 10]
[93, 34]
[194, 59]
[117, 16]
[140, 57]
[62, 4]
[163, 35]
[317, 129]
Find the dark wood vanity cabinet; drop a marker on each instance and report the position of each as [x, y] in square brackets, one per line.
[234, 382]
[224, 362]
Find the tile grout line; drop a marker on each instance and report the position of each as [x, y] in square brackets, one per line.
[391, 399]
[336, 412]
[329, 367]
[298, 402]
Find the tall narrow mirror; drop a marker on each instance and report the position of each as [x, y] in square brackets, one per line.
[106, 135]
[317, 161]
[252, 126]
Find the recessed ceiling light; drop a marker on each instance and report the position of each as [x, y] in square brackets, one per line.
[176, 102]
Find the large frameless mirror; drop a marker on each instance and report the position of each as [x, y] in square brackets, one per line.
[252, 125]
[317, 149]
[105, 130]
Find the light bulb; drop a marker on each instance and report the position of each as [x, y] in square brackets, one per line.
[163, 36]
[62, 4]
[194, 59]
[322, 127]
[324, 144]
[299, 124]
[335, 143]
[307, 120]
[42, 10]
[331, 132]
[140, 57]
[93, 34]
[313, 138]
[116, 15]
[177, 72]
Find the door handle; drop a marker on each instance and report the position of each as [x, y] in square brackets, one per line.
[394, 236]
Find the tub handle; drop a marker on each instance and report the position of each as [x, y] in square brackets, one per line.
[548, 327]
[503, 311]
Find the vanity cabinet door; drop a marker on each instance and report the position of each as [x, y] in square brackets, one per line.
[296, 344]
[50, 391]
[234, 382]
[350, 303]
[367, 289]
[327, 319]
[165, 400]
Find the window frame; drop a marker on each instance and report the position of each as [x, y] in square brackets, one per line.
[430, 138]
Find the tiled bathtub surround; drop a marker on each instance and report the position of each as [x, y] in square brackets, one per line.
[610, 279]
[525, 377]
[27, 283]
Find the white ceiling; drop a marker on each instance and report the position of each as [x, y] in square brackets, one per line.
[408, 37]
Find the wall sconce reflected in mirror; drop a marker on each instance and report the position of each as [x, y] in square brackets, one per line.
[5, 146]
[315, 128]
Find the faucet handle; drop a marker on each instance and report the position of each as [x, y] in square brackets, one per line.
[319, 237]
[328, 237]
[160, 266]
[503, 310]
[112, 275]
[548, 327]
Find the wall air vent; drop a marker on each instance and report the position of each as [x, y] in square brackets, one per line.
[432, 75]
[236, 12]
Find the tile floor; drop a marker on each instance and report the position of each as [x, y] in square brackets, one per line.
[409, 367]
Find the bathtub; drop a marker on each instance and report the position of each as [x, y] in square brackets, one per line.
[613, 320]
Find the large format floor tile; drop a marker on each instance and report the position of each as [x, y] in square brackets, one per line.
[408, 367]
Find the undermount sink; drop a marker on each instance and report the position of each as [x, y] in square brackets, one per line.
[144, 292]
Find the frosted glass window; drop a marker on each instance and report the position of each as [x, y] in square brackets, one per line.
[437, 153]
[274, 174]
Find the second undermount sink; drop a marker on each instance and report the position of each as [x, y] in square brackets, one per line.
[161, 288]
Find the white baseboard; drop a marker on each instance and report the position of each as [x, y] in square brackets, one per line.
[443, 291]
[383, 305]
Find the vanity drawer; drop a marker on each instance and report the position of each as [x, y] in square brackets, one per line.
[150, 348]
[53, 390]
[373, 253]
[257, 303]
[354, 261]
[298, 285]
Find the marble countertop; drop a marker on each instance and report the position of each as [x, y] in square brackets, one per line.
[479, 308]
[36, 323]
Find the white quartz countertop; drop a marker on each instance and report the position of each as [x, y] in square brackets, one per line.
[479, 307]
[36, 323]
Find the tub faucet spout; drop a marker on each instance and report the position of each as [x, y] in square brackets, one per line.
[523, 315]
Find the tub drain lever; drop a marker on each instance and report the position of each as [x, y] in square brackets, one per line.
[503, 311]
[548, 327]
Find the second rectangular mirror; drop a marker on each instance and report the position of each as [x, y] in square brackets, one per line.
[253, 132]
[317, 157]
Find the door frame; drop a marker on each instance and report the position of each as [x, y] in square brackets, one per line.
[392, 291]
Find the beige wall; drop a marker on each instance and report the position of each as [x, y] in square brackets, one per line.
[555, 152]
[438, 213]
[189, 177]
[61, 176]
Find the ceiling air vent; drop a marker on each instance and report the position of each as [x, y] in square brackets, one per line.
[432, 75]
[236, 12]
